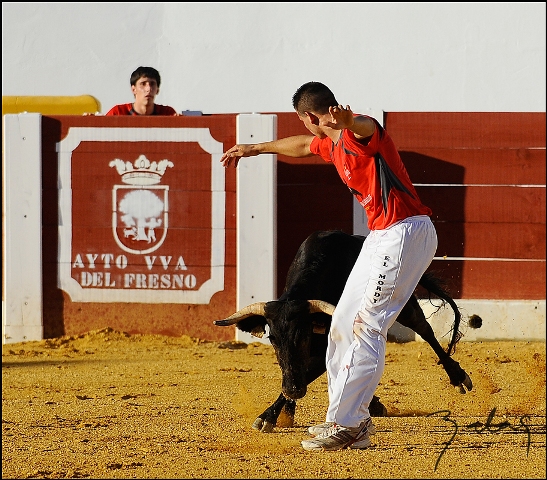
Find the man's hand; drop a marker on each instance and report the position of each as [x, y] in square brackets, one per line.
[235, 153]
[340, 118]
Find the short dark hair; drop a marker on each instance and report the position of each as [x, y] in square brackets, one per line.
[145, 72]
[313, 97]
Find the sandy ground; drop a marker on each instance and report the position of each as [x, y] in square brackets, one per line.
[111, 405]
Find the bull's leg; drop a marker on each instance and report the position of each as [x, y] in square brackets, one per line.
[377, 408]
[412, 316]
[286, 409]
[267, 420]
[286, 419]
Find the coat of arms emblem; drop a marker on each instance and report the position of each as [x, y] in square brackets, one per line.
[140, 207]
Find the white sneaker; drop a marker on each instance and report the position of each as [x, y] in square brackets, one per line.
[316, 430]
[337, 437]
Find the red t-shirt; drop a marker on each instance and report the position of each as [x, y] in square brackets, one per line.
[375, 174]
[127, 109]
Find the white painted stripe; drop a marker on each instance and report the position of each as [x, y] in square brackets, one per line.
[485, 259]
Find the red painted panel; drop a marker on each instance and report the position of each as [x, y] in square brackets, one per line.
[486, 204]
[288, 123]
[165, 319]
[189, 228]
[307, 206]
[488, 166]
[472, 279]
[303, 209]
[491, 240]
[449, 148]
[437, 147]
[415, 130]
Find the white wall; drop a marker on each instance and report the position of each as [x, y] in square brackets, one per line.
[21, 228]
[251, 57]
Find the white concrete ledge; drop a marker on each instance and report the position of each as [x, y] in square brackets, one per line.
[519, 320]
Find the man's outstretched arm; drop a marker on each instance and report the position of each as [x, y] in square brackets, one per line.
[295, 146]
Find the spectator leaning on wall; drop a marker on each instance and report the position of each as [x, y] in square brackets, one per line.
[145, 85]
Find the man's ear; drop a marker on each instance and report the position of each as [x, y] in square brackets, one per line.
[314, 120]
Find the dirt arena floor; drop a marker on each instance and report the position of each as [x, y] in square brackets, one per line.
[111, 405]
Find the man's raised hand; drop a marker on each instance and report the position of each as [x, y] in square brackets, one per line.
[341, 117]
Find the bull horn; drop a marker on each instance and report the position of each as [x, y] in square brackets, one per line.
[321, 306]
[253, 309]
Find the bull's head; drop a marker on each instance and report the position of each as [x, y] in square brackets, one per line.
[291, 332]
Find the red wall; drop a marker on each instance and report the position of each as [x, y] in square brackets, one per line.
[498, 217]
[483, 207]
[62, 315]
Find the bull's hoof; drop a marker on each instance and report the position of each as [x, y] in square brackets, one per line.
[467, 383]
[263, 425]
[377, 408]
[286, 419]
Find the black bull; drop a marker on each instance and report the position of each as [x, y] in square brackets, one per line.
[299, 319]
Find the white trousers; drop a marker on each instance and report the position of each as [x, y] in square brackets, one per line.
[382, 280]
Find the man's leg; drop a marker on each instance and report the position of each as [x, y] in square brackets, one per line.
[392, 262]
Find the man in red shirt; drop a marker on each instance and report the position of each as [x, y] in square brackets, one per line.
[145, 85]
[399, 248]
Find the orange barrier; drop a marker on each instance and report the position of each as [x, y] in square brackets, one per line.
[51, 105]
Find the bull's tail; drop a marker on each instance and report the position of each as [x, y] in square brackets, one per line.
[435, 285]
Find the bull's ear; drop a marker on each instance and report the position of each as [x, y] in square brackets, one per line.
[258, 332]
[255, 325]
[319, 327]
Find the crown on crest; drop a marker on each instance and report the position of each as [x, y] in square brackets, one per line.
[142, 171]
